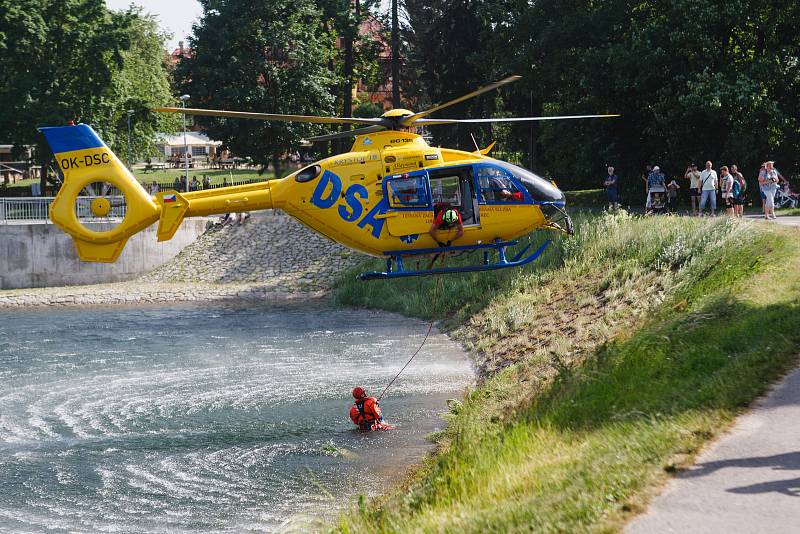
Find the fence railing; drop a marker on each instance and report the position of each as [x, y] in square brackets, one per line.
[170, 185]
[36, 209]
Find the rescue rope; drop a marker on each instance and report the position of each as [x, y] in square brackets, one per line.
[425, 339]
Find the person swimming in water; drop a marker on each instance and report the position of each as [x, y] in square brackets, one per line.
[366, 412]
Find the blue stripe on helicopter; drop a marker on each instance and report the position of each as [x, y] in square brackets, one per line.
[71, 138]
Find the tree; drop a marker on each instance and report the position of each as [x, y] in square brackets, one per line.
[265, 56]
[450, 53]
[694, 80]
[66, 60]
[141, 83]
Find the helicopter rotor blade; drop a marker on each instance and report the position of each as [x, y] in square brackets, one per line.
[348, 133]
[270, 116]
[408, 121]
[436, 122]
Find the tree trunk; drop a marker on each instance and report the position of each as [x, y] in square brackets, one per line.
[276, 165]
[347, 87]
[533, 139]
[45, 160]
[395, 57]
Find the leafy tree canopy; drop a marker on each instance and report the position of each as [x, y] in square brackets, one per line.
[68, 60]
[265, 56]
[693, 79]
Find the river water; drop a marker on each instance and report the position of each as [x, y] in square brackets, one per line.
[207, 418]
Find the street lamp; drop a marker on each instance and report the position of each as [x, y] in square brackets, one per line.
[130, 165]
[184, 98]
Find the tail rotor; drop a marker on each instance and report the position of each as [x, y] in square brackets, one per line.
[97, 188]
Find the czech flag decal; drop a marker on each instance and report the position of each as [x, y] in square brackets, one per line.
[170, 198]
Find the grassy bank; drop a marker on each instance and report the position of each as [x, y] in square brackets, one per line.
[632, 345]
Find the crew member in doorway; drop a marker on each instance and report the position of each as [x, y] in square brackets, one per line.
[445, 219]
[365, 413]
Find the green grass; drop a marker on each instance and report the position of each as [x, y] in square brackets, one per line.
[610, 367]
[19, 183]
[788, 212]
[587, 198]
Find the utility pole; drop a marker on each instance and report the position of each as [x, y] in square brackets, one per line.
[534, 157]
[395, 58]
[130, 164]
[349, 61]
[184, 98]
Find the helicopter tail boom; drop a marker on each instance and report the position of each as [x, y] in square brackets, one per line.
[94, 179]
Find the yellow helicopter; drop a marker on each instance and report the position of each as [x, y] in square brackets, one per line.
[380, 198]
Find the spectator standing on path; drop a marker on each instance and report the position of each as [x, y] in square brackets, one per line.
[195, 185]
[693, 175]
[738, 175]
[612, 192]
[206, 182]
[176, 185]
[726, 186]
[647, 172]
[738, 189]
[672, 195]
[768, 180]
[708, 189]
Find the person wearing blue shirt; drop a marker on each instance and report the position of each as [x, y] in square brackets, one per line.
[611, 184]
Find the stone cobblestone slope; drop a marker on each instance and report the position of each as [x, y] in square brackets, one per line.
[269, 248]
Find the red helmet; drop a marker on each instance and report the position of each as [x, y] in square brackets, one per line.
[359, 393]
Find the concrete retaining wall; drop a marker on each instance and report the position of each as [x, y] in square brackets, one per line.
[41, 255]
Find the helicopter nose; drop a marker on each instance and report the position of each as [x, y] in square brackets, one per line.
[545, 194]
[556, 216]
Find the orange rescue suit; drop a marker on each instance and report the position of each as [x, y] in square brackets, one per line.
[365, 412]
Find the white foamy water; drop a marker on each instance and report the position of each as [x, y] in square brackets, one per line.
[206, 418]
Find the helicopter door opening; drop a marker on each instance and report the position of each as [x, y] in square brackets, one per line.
[455, 187]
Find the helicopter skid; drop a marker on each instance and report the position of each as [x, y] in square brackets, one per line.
[396, 269]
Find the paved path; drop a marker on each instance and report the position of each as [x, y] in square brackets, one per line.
[747, 482]
[788, 220]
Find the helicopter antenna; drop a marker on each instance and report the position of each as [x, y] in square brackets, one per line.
[474, 142]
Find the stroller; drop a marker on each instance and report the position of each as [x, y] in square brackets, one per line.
[659, 203]
[785, 198]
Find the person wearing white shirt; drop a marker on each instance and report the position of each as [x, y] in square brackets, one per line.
[768, 179]
[708, 188]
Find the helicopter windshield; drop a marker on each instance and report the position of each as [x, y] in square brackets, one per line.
[541, 190]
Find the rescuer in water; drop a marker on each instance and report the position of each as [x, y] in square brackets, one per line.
[366, 413]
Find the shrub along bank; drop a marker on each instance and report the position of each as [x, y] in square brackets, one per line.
[604, 368]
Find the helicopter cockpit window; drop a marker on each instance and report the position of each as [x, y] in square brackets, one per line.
[408, 192]
[497, 185]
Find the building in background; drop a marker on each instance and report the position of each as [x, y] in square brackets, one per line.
[17, 166]
[202, 149]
